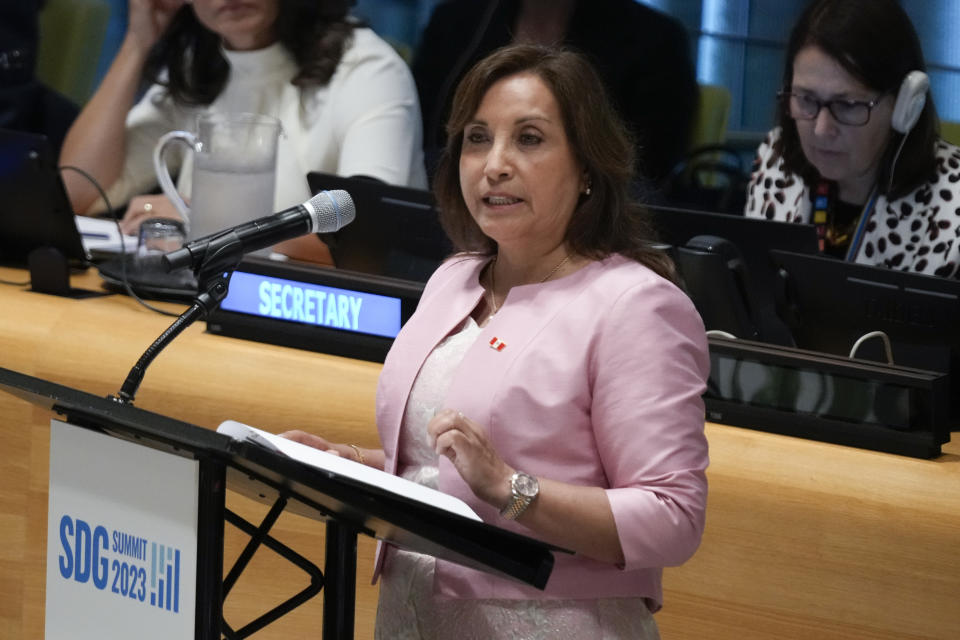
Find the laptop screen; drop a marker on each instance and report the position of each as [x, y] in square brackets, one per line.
[34, 209]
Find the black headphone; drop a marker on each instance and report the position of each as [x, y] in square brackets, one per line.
[911, 99]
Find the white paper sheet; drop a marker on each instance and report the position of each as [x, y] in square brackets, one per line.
[101, 235]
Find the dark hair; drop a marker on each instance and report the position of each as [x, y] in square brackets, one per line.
[316, 32]
[874, 41]
[603, 223]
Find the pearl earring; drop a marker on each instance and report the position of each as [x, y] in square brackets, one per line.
[586, 191]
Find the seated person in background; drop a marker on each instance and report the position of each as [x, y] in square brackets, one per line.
[552, 373]
[642, 55]
[346, 100]
[26, 104]
[846, 155]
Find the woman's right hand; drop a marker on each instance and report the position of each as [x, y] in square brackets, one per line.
[148, 19]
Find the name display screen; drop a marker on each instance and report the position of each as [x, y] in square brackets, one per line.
[335, 311]
[816, 393]
[314, 304]
[830, 398]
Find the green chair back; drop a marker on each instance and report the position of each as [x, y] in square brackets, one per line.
[713, 112]
[950, 131]
[71, 37]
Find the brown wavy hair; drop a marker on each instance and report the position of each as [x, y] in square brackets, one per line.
[316, 32]
[607, 221]
[874, 41]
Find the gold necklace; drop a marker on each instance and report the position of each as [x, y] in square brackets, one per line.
[493, 281]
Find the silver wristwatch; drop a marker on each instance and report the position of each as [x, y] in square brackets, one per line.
[523, 490]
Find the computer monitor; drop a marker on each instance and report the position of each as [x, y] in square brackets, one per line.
[829, 304]
[396, 232]
[716, 279]
[34, 210]
[753, 238]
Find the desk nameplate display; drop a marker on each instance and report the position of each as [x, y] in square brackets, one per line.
[830, 398]
[333, 311]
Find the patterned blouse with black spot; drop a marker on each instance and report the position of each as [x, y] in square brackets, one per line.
[919, 232]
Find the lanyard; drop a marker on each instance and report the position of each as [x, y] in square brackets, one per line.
[824, 194]
[861, 225]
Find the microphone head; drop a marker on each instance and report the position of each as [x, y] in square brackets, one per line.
[330, 210]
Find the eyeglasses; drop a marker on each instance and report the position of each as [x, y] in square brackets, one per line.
[851, 112]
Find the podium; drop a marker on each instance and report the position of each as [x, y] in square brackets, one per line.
[100, 551]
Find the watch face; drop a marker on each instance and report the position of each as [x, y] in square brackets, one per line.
[526, 485]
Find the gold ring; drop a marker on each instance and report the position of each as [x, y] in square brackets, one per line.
[148, 207]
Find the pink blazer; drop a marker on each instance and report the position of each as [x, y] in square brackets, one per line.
[598, 383]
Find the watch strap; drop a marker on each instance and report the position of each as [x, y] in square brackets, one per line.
[518, 502]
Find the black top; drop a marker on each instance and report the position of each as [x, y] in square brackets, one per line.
[842, 222]
[642, 55]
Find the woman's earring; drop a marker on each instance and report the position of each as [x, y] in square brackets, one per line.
[586, 191]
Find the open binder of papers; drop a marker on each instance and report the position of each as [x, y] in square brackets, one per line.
[347, 468]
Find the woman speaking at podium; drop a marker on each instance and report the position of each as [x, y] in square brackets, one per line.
[552, 373]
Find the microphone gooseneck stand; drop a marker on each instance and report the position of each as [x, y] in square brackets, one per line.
[213, 277]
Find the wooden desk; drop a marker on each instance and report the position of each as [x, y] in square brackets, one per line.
[803, 539]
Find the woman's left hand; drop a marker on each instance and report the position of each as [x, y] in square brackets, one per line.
[465, 443]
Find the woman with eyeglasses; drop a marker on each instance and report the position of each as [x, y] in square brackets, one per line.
[856, 149]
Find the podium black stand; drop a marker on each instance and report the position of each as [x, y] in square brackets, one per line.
[348, 507]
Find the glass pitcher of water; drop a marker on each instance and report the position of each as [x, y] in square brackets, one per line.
[234, 171]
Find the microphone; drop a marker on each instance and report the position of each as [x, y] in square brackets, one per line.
[326, 212]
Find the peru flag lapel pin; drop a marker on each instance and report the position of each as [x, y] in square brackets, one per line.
[497, 344]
